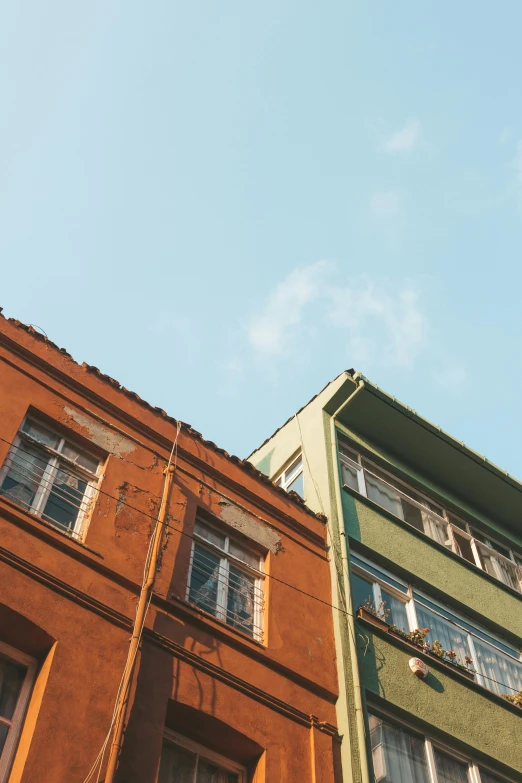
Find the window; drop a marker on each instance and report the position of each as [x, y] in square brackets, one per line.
[496, 663]
[184, 761]
[50, 476]
[292, 479]
[402, 756]
[16, 678]
[226, 580]
[428, 516]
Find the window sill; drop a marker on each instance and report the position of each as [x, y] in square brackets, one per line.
[430, 541]
[206, 618]
[39, 526]
[375, 625]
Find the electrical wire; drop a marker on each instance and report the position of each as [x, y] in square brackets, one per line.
[131, 659]
[266, 576]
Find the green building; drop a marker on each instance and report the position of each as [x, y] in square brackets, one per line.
[424, 534]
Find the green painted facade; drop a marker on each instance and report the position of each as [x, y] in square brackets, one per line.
[446, 706]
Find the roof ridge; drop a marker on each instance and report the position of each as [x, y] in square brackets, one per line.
[241, 463]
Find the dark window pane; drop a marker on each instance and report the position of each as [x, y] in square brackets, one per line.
[4, 731]
[211, 773]
[204, 579]
[24, 476]
[64, 502]
[362, 591]
[240, 600]
[177, 764]
[464, 547]
[40, 433]
[486, 777]
[11, 680]
[412, 514]
[449, 770]
[73, 453]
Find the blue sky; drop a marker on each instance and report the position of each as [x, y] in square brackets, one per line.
[223, 205]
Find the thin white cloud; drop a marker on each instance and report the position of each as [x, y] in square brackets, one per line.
[273, 329]
[384, 323]
[376, 322]
[386, 204]
[404, 139]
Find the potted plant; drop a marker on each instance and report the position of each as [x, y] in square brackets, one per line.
[375, 615]
[515, 698]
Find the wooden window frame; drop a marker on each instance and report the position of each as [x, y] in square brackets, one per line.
[226, 558]
[16, 722]
[56, 461]
[208, 755]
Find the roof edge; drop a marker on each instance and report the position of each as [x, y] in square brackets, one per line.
[248, 467]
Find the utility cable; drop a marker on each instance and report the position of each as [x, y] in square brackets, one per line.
[265, 576]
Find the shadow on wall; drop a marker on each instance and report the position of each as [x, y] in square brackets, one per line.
[372, 661]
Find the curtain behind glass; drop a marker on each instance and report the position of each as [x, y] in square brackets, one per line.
[397, 609]
[384, 495]
[204, 579]
[449, 770]
[241, 600]
[398, 757]
[450, 636]
[497, 668]
[435, 528]
[177, 764]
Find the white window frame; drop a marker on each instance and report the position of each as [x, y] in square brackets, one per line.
[55, 458]
[206, 755]
[514, 560]
[223, 578]
[286, 477]
[431, 745]
[16, 722]
[411, 602]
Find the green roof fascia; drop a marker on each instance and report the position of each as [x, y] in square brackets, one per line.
[400, 430]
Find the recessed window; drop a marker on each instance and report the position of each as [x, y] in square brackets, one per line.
[292, 479]
[16, 680]
[50, 476]
[400, 754]
[429, 517]
[226, 579]
[183, 761]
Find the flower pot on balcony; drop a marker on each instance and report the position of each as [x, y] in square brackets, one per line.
[373, 619]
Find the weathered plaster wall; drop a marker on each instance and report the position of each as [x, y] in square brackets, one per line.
[83, 595]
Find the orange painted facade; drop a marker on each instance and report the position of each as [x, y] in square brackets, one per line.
[263, 700]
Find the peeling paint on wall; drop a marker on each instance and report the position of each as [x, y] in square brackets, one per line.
[107, 440]
[250, 527]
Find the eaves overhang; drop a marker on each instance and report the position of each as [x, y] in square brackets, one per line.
[415, 441]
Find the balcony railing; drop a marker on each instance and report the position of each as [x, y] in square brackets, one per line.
[418, 511]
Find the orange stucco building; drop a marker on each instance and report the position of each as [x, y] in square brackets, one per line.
[235, 679]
